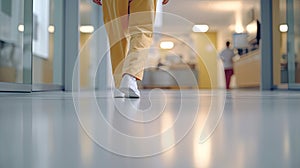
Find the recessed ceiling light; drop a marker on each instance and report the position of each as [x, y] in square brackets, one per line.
[167, 45]
[86, 29]
[200, 28]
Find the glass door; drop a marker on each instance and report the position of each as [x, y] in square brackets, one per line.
[293, 43]
[15, 45]
[47, 51]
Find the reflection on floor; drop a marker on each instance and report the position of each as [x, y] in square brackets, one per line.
[164, 128]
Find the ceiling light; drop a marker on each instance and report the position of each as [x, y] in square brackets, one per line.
[21, 28]
[167, 45]
[251, 28]
[283, 28]
[239, 29]
[51, 29]
[200, 28]
[86, 29]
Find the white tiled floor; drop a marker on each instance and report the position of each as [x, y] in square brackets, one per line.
[162, 129]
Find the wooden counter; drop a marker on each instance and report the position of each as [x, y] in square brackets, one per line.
[247, 70]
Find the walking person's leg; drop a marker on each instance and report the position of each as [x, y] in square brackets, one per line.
[115, 16]
[141, 22]
[228, 75]
[227, 78]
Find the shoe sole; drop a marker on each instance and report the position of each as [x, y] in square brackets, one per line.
[119, 94]
[129, 93]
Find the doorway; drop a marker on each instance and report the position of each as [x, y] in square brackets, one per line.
[293, 43]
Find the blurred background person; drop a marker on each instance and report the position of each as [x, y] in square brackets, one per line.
[226, 56]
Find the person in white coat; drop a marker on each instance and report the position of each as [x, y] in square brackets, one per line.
[227, 57]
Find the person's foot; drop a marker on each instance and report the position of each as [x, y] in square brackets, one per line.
[129, 86]
[118, 94]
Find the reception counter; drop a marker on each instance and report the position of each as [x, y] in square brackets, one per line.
[171, 78]
[247, 70]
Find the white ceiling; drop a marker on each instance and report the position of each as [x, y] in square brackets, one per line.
[218, 14]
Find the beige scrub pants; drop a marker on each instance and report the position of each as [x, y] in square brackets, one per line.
[130, 30]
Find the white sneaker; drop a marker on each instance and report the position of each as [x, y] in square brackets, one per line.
[118, 94]
[129, 87]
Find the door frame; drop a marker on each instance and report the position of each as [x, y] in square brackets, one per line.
[292, 85]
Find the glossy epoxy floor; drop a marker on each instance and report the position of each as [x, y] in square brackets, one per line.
[164, 128]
